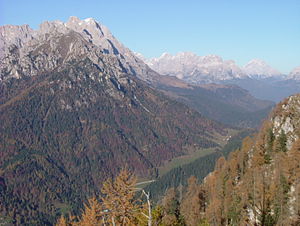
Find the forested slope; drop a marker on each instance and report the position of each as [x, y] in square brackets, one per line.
[258, 184]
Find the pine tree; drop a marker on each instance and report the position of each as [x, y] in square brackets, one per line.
[157, 214]
[281, 142]
[171, 209]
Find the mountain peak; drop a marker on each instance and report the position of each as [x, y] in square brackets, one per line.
[164, 55]
[74, 19]
[257, 61]
[258, 68]
[295, 74]
[14, 35]
[90, 20]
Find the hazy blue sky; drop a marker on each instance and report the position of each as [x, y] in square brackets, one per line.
[234, 29]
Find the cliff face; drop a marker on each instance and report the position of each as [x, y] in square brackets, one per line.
[260, 182]
[286, 119]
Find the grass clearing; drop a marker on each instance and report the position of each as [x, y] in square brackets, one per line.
[188, 158]
[184, 159]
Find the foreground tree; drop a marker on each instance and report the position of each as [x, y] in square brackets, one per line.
[61, 221]
[119, 201]
[117, 206]
[93, 213]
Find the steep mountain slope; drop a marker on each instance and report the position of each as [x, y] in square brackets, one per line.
[73, 114]
[259, 183]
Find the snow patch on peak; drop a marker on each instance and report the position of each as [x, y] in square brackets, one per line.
[88, 20]
[74, 19]
[164, 55]
[257, 62]
[140, 56]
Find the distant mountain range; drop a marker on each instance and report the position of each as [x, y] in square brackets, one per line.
[260, 79]
[195, 69]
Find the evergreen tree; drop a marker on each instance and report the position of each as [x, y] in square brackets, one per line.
[171, 209]
[193, 203]
[281, 142]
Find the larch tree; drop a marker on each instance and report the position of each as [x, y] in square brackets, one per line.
[61, 221]
[93, 213]
[118, 199]
[117, 206]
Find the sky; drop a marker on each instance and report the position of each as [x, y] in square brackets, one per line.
[238, 30]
